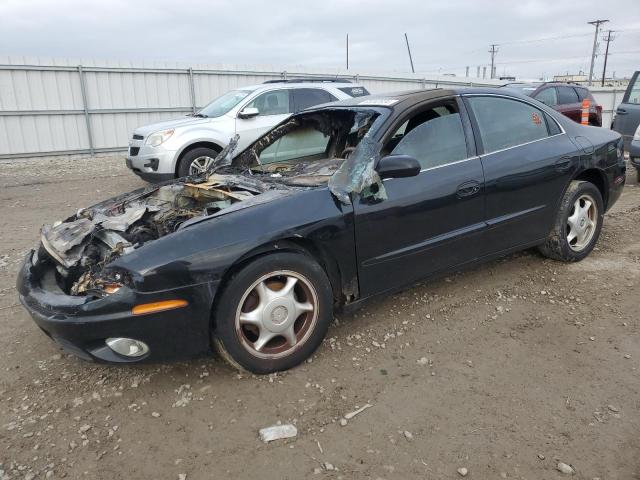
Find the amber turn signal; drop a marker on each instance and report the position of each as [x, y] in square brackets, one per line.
[155, 307]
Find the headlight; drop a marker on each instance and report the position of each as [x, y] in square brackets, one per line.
[636, 135]
[159, 138]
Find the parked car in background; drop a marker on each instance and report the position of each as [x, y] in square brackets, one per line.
[186, 146]
[253, 256]
[563, 97]
[627, 118]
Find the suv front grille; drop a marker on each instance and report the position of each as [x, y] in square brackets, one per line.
[133, 151]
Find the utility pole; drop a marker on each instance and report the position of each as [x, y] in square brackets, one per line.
[406, 39]
[595, 23]
[606, 55]
[493, 52]
[347, 51]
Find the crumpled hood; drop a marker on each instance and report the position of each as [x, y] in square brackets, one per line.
[84, 244]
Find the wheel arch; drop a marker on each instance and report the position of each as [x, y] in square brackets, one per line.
[599, 179]
[192, 146]
[299, 245]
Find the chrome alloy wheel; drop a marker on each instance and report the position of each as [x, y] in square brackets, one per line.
[277, 314]
[200, 165]
[582, 223]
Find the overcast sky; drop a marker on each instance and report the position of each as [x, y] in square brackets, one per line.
[535, 37]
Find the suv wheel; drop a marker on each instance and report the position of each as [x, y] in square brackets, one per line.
[196, 161]
[274, 313]
[578, 223]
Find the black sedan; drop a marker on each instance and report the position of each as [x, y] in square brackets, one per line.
[331, 207]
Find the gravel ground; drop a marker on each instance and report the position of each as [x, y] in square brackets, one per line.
[504, 370]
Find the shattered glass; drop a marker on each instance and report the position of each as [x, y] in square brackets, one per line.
[358, 174]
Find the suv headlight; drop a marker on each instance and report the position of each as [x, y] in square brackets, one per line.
[159, 138]
[636, 136]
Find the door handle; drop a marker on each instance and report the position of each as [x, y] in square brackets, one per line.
[468, 189]
[563, 164]
[621, 111]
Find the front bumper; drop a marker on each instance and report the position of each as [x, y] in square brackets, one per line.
[81, 325]
[151, 163]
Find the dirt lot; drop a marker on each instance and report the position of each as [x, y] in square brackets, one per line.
[504, 370]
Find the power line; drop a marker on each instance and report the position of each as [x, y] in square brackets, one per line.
[544, 39]
[595, 23]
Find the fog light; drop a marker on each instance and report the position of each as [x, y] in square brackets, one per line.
[127, 346]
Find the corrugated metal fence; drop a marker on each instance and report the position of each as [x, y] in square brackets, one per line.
[59, 107]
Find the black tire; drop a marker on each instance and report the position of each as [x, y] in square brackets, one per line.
[557, 245]
[191, 155]
[638, 175]
[231, 338]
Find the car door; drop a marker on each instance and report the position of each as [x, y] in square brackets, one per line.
[273, 107]
[430, 222]
[527, 160]
[568, 103]
[628, 112]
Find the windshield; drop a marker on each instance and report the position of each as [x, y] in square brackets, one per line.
[523, 88]
[223, 104]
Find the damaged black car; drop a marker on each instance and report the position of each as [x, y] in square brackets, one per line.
[331, 207]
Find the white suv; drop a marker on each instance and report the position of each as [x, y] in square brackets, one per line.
[188, 145]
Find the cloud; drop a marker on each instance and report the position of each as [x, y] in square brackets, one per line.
[446, 36]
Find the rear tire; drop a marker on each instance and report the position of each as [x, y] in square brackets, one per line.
[198, 158]
[578, 223]
[273, 313]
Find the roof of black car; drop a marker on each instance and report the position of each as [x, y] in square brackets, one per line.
[410, 97]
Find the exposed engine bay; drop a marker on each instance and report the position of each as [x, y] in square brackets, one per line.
[84, 244]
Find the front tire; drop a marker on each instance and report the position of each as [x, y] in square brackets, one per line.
[578, 223]
[273, 313]
[196, 161]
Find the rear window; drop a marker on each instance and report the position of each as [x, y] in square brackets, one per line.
[354, 91]
[582, 93]
[505, 123]
[308, 97]
[567, 95]
[548, 96]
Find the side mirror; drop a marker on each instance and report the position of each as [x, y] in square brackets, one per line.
[249, 112]
[398, 166]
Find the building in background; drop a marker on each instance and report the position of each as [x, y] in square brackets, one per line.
[582, 79]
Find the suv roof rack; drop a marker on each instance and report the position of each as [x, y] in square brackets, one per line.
[309, 80]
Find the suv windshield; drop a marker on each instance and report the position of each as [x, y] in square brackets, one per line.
[223, 104]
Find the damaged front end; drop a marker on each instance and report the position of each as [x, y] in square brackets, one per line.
[328, 147]
[84, 244]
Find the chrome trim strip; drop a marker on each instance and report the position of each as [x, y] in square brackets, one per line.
[451, 163]
[521, 144]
